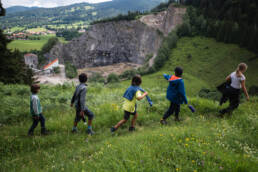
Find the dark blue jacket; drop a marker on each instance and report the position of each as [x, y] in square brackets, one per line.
[176, 89]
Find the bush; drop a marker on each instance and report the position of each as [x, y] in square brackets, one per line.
[49, 45]
[70, 70]
[97, 77]
[253, 90]
[112, 78]
[56, 70]
[128, 74]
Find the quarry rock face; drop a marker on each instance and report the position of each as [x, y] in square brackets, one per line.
[117, 42]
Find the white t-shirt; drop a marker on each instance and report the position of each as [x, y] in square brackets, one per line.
[236, 81]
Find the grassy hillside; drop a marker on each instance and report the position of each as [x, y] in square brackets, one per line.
[201, 142]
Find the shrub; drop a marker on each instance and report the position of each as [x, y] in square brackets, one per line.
[128, 74]
[56, 70]
[253, 90]
[49, 45]
[70, 70]
[112, 78]
[96, 77]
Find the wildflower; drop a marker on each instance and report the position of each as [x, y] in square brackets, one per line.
[193, 161]
[180, 141]
[195, 170]
[187, 139]
[186, 145]
[204, 153]
[177, 169]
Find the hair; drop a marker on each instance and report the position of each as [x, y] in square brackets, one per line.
[137, 80]
[34, 88]
[83, 78]
[242, 67]
[179, 71]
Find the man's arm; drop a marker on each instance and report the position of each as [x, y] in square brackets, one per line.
[182, 91]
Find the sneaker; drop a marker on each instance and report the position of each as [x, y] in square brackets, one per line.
[44, 132]
[112, 129]
[131, 128]
[90, 132]
[163, 122]
[30, 134]
[74, 130]
[177, 119]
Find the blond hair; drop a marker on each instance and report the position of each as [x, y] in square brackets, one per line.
[242, 67]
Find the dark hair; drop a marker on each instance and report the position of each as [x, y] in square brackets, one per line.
[83, 78]
[179, 71]
[34, 88]
[137, 80]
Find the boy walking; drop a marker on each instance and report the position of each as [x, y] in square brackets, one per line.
[79, 101]
[36, 111]
[175, 94]
[132, 94]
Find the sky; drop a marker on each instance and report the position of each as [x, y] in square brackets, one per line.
[45, 3]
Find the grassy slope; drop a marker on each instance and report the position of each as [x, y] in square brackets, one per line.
[27, 45]
[201, 142]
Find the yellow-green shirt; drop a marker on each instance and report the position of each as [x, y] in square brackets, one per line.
[128, 105]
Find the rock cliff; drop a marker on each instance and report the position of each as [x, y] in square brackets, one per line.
[117, 42]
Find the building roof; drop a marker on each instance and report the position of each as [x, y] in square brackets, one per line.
[30, 54]
[45, 67]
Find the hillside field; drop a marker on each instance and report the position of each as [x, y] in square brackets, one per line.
[200, 142]
[27, 45]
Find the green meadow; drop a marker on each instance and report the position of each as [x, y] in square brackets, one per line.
[200, 142]
[27, 45]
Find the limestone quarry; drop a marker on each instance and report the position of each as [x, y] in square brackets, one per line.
[119, 42]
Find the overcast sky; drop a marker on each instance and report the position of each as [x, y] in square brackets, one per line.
[45, 3]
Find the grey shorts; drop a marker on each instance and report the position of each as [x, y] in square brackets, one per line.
[87, 113]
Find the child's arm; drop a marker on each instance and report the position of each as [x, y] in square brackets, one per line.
[35, 106]
[82, 98]
[73, 98]
[182, 91]
[166, 76]
[142, 96]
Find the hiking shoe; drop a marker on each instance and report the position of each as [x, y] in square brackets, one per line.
[74, 130]
[90, 132]
[44, 131]
[163, 122]
[131, 128]
[112, 129]
[30, 134]
[177, 119]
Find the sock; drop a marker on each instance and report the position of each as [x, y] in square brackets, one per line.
[89, 127]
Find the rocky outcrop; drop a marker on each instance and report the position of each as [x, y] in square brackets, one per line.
[116, 42]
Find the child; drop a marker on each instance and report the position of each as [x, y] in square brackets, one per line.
[175, 94]
[232, 92]
[36, 111]
[132, 94]
[79, 101]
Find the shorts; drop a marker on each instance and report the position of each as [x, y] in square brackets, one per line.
[127, 114]
[87, 113]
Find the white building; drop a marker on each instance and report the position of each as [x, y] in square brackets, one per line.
[31, 60]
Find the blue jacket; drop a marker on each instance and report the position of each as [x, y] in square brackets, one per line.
[176, 89]
[131, 91]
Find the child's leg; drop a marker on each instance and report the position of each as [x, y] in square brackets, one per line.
[42, 123]
[76, 120]
[90, 115]
[34, 125]
[120, 123]
[170, 111]
[177, 110]
[134, 120]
